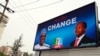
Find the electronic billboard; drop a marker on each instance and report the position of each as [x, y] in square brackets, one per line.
[74, 29]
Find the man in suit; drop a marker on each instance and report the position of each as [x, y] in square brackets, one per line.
[81, 39]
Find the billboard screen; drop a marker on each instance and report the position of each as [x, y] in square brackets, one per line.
[75, 29]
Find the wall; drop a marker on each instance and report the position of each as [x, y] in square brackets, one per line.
[93, 51]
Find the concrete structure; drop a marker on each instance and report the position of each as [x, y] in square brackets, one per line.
[3, 23]
[6, 50]
[93, 51]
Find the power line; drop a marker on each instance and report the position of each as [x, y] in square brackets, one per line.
[25, 13]
[39, 6]
[23, 17]
[5, 8]
[30, 16]
[26, 4]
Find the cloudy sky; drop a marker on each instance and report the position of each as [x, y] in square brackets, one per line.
[29, 13]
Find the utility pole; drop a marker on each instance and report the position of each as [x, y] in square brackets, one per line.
[5, 8]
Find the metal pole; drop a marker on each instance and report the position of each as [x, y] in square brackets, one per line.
[4, 11]
[40, 53]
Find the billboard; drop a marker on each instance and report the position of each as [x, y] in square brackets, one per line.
[74, 29]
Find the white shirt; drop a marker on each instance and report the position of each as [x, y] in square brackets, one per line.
[45, 46]
[80, 38]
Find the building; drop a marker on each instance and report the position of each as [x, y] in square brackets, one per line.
[3, 23]
[6, 50]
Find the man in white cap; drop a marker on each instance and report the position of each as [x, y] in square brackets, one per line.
[41, 45]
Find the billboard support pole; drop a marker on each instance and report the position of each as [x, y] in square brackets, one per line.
[40, 53]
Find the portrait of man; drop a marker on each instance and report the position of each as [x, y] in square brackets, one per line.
[81, 38]
[42, 45]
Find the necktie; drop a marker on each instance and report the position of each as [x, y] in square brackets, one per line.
[76, 41]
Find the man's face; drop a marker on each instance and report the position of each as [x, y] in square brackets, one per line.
[80, 29]
[42, 39]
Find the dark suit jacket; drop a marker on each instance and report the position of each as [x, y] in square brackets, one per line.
[84, 40]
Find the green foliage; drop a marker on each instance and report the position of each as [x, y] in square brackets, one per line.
[1, 54]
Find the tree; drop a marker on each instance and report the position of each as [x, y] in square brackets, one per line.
[1, 54]
[31, 54]
[17, 45]
[26, 54]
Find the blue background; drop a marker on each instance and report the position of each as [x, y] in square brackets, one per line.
[67, 33]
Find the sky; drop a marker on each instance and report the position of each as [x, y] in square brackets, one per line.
[29, 13]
